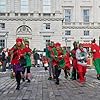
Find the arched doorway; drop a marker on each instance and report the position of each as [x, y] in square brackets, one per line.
[24, 31]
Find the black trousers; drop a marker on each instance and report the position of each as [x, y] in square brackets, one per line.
[74, 74]
[18, 77]
[66, 73]
[57, 73]
[26, 68]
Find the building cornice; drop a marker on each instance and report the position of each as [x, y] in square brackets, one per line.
[30, 19]
[80, 27]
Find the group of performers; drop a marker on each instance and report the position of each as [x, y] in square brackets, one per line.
[60, 57]
[20, 56]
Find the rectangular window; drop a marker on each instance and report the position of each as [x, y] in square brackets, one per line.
[2, 5]
[67, 15]
[86, 33]
[67, 32]
[2, 43]
[46, 38]
[24, 6]
[2, 14]
[46, 6]
[2, 25]
[46, 26]
[86, 15]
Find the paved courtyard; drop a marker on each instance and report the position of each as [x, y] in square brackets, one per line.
[41, 88]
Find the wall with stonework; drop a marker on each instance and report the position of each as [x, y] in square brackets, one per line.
[35, 19]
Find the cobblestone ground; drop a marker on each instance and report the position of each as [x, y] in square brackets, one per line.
[41, 88]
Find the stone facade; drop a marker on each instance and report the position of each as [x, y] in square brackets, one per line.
[32, 24]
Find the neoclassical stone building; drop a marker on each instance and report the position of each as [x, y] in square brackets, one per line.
[61, 21]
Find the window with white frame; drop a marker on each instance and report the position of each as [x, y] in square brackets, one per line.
[46, 26]
[86, 15]
[2, 25]
[67, 32]
[86, 33]
[67, 15]
[2, 5]
[46, 6]
[24, 6]
[2, 43]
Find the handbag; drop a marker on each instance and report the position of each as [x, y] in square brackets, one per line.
[22, 61]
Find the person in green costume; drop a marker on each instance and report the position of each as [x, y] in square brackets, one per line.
[57, 60]
[28, 52]
[95, 49]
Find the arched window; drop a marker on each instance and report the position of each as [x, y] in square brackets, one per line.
[24, 6]
[24, 29]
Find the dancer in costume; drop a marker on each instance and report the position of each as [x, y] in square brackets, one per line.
[17, 52]
[57, 60]
[74, 62]
[66, 56]
[81, 56]
[28, 53]
[95, 49]
[49, 48]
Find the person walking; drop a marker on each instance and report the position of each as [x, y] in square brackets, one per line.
[74, 72]
[95, 49]
[66, 56]
[28, 65]
[81, 56]
[49, 48]
[57, 60]
[4, 60]
[17, 53]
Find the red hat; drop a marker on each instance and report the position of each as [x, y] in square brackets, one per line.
[19, 40]
[57, 44]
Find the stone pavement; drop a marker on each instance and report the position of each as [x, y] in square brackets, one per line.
[41, 88]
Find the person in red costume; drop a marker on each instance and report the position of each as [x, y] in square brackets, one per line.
[16, 53]
[66, 56]
[81, 56]
[74, 62]
[57, 55]
[95, 49]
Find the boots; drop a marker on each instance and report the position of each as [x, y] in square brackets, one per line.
[57, 81]
[18, 86]
[81, 78]
[98, 76]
